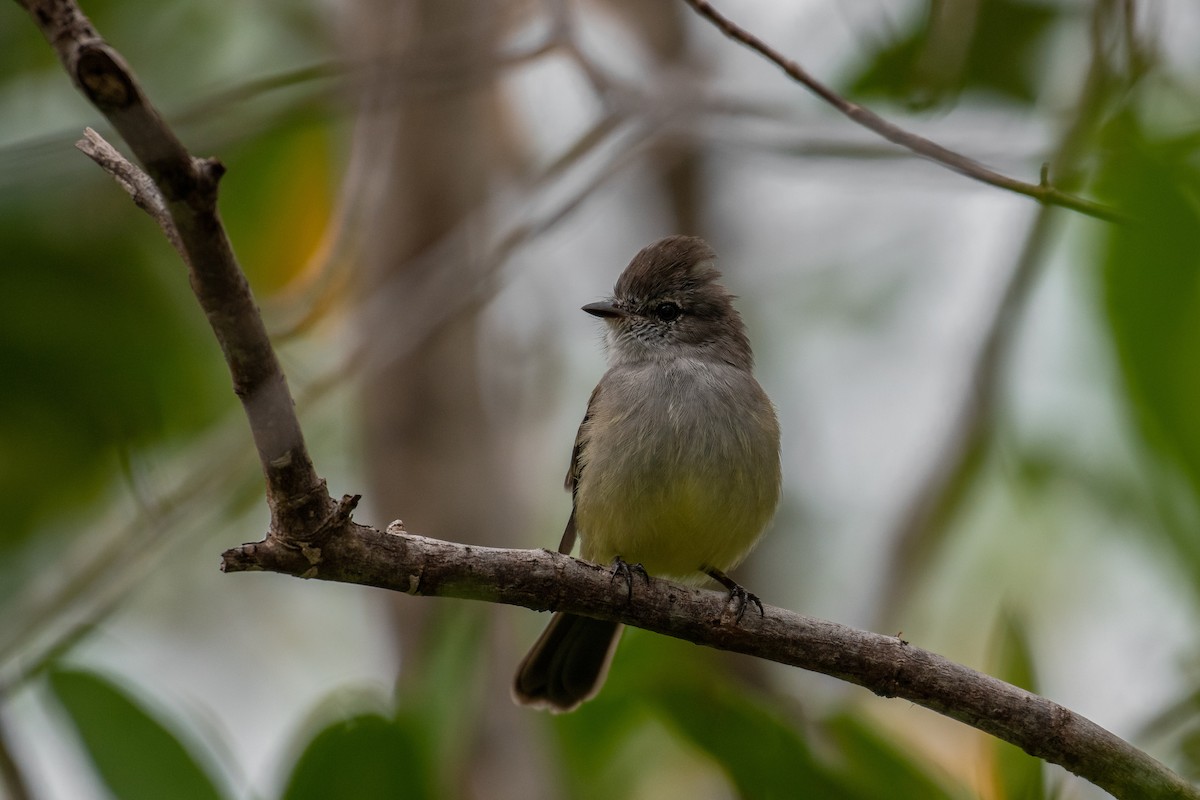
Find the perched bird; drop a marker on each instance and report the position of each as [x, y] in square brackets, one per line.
[676, 464]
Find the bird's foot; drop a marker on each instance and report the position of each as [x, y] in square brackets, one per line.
[737, 594]
[626, 570]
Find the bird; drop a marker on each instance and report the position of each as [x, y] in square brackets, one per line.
[675, 469]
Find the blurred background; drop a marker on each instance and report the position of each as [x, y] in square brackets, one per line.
[991, 409]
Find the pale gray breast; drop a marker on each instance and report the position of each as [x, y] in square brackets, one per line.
[684, 416]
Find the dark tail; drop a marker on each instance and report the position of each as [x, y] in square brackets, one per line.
[567, 663]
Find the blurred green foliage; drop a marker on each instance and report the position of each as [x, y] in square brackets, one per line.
[765, 749]
[277, 199]
[764, 754]
[992, 47]
[1016, 775]
[877, 766]
[102, 347]
[137, 756]
[368, 756]
[100, 334]
[1151, 292]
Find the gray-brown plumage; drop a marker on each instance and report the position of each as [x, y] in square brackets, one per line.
[676, 463]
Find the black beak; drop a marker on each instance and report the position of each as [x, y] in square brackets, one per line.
[606, 309]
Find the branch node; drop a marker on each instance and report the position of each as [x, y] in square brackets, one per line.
[346, 506]
[294, 531]
[313, 556]
[242, 559]
[210, 168]
[104, 80]
[296, 500]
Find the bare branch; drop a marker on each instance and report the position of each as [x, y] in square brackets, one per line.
[887, 665]
[188, 186]
[1043, 191]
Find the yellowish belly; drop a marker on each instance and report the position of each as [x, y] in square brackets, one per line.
[676, 525]
[679, 470]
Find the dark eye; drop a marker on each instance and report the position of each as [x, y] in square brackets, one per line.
[667, 312]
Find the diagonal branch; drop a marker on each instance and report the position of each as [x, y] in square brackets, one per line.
[887, 665]
[1043, 191]
[188, 187]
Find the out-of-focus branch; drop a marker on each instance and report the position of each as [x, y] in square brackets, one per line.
[11, 777]
[922, 525]
[887, 665]
[1043, 191]
[188, 186]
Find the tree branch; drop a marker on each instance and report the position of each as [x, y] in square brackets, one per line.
[188, 186]
[1043, 191]
[311, 536]
[11, 777]
[887, 665]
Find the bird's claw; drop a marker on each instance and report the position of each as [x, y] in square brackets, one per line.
[738, 595]
[626, 570]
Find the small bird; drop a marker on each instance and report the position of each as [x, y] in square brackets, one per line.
[676, 464]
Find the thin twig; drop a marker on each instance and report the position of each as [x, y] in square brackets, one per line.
[136, 183]
[1042, 191]
[887, 665]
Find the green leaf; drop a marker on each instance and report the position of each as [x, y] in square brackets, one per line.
[878, 768]
[1015, 774]
[993, 46]
[605, 747]
[1189, 750]
[594, 741]
[661, 687]
[1177, 726]
[366, 757]
[764, 755]
[138, 757]
[1012, 658]
[1151, 293]
[443, 685]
